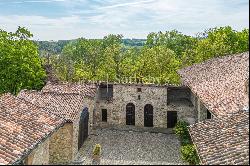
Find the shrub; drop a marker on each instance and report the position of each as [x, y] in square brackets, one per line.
[185, 141]
[97, 150]
[188, 153]
[181, 129]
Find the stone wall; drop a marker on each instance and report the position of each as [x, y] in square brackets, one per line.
[75, 136]
[194, 101]
[40, 155]
[90, 103]
[185, 112]
[60, 147]
[154, 95]
[203, 112]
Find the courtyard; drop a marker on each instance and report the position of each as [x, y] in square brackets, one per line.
[120, 147]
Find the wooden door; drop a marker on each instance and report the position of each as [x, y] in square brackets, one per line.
[130, 114]
[83, 127]
[148, 116]
[171, 119]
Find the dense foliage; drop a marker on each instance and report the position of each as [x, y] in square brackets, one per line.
[189, 154]
[188, 151]
[155, 60]
[181, 130]
[20, 65]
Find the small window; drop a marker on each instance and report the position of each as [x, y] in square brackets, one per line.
[104, 115]
[209, 115]
[106, 92]
[138, 89]
[139, 97]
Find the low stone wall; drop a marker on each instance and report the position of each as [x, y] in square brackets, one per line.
[60, 147]
[40, 155]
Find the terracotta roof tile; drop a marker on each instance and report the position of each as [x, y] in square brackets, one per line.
[219, 83]
[23, 126]
[222, 141]
[71, 88]
[62, 104]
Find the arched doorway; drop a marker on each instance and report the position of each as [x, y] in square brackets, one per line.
[83, 127]
[130, 114]
[148, 115]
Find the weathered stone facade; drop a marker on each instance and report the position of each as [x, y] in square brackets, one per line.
[60, 147]
[200, 109]
[141, 95]
[40, 155]
[90, 104]
[75, 137]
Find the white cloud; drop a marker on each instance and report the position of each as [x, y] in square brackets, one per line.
[42, 27]
[189, 17]
[132, 18]
[127, 4]
[36, 1]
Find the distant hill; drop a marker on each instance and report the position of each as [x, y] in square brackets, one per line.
[57, 46]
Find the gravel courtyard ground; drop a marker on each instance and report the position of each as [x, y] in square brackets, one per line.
[126, 147]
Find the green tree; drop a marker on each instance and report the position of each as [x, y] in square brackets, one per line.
[174, 40]
[160, 63]
[92, 59]
[159, 58]
[217, 42]
[20, 66]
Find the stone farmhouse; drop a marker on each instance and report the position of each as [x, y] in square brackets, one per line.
[51, 125]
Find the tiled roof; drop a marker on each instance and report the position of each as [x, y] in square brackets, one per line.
[63, 105]
[71, 88]
[22, 127]
[219, 83]
[220, 142]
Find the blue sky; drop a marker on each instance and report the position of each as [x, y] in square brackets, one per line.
[69, 19]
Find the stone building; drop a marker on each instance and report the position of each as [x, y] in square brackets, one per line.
[221, 85]
[25, 132]
[51, 125]
[143, 105]
[75, 108]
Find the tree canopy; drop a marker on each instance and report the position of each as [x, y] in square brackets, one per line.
[20, 65]
[153, 60]
[157, 60]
